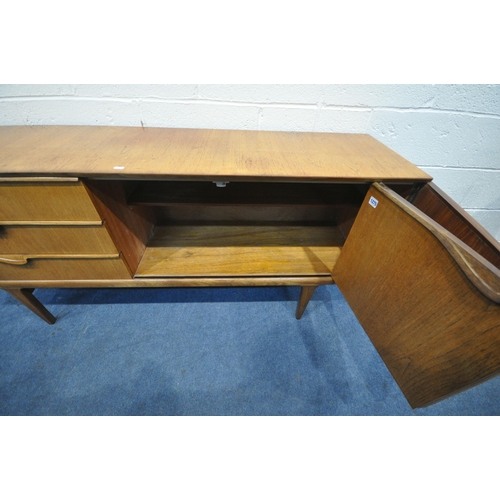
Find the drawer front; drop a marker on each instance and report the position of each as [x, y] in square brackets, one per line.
[64, 269]
[55, 240]
[56, 202]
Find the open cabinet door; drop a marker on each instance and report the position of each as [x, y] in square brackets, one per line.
[429, 303]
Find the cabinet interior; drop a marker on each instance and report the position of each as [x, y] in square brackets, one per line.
[244, 228]
[183, 229]
[234, 229]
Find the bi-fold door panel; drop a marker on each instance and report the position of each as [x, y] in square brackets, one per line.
[447, 213]
[429, 303]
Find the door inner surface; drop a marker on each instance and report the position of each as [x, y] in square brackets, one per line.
[428, 302]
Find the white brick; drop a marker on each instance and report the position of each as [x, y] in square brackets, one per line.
[131, 113]
[76, 112]
[9, 113]
[489, 219]
[287, 119]
[342, 121]
[199, 115]
[468, 187]
[177, 91]
[25, 90]
[439, 138]
[435, 127]
[473, 98]
[469, 98]
[287, 94]
[400, 96]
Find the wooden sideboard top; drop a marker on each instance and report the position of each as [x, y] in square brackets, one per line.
[168, 153]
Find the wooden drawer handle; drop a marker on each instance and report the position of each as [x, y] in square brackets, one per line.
[481, 273]
[16, 261]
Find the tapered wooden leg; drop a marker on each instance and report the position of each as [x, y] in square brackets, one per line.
[26, 297]
[306, 293]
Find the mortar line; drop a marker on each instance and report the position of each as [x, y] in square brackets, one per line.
[196, 99]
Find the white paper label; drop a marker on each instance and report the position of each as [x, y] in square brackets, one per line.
[373, 202]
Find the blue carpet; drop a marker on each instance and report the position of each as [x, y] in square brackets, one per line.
[205, 351]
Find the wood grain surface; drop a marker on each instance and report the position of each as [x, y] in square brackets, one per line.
[269, 194]
[481, 273]
[37, 241]
[129, 227]
[87, 151]
[436, 331]
[175, 282]
[46, 202]
[247, 202]
[241, 251]
[447, 213]
[72, 268]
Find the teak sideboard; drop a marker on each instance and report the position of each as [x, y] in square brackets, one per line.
[152, 207]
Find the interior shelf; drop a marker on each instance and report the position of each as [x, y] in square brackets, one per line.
[248, 202]
[241, 251]
[241, 193]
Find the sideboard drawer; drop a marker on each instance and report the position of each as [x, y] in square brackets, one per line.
[63, 269]
[45, 201]
[55, 240]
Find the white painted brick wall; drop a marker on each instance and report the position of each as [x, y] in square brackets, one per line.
[450, 131]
